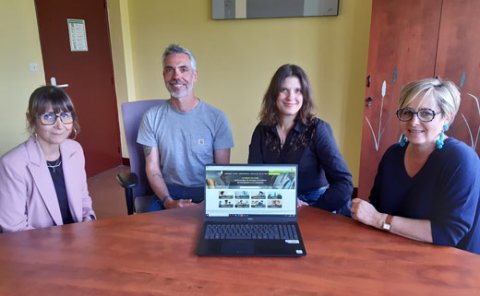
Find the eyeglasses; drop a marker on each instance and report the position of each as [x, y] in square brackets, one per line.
[424, 114]
[49, 118]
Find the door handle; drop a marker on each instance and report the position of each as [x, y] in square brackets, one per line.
[53, 81]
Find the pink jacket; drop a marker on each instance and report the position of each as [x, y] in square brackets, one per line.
[27, 195]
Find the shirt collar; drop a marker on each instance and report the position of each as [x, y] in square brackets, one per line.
[299, 127]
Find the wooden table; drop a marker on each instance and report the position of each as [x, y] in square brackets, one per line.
[154, 254]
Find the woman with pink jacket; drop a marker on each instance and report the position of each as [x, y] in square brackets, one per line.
[43, 181]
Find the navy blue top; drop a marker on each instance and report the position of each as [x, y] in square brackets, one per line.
[445, 191]
[61, 190]
[312, 147]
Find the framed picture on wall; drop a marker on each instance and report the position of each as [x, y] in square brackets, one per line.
[247, 9]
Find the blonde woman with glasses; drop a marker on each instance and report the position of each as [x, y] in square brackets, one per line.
[427, 186]
[43, 181]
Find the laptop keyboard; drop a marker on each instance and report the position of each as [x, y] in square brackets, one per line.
[251, 231]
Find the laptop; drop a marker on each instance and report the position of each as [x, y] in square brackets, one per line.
[250, 210]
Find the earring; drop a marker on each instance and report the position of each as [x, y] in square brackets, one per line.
[403, 140]
[35, 135]
[439, 141]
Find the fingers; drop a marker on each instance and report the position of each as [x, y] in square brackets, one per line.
[301, 203]
[356, 202]
[178, 203]
[363, 211]
[353, 212]
[182, 203]
[354, 207]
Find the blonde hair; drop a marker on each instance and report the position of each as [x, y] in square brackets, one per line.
[445, 93]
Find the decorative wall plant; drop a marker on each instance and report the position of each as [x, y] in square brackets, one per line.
[473, 136]
[377, 137]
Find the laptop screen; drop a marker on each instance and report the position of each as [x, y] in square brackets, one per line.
[244, 190]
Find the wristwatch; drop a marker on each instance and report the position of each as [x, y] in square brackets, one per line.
[387, 224]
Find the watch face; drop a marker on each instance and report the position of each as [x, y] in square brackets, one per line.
[386, 226]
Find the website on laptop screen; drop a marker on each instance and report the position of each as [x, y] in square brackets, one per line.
[242, 190]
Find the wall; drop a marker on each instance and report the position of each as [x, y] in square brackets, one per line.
[236, 59]
[20, 47]
[121, 56]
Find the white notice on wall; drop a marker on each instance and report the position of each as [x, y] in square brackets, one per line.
[77, 34]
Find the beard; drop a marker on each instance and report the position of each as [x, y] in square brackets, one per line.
[180, 93]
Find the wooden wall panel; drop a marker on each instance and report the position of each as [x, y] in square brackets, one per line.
[458, 59]
[403, 42]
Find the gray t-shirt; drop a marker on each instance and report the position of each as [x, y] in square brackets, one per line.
[185, 140]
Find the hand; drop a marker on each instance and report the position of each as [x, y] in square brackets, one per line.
[366, 213]
[171, 203]
[301, 203]
[86, 218]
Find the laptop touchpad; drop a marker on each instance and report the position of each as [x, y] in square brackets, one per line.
[238, 247]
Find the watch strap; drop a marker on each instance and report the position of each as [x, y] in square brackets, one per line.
[387, 224]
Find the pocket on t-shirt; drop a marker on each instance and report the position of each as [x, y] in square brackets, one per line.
[201, 147]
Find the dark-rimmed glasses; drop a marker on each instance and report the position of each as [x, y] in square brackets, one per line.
[423, 114]
[49, 118]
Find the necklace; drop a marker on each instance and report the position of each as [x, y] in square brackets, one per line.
[54, 164]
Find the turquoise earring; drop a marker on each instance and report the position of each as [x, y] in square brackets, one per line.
[403, 140]
[439, 141]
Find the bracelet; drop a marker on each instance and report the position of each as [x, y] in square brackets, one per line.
[164, 199]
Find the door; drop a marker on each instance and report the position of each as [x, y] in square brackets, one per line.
[87, 69]
[403, 42]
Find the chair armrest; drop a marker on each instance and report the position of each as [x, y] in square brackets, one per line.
[127, 180]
